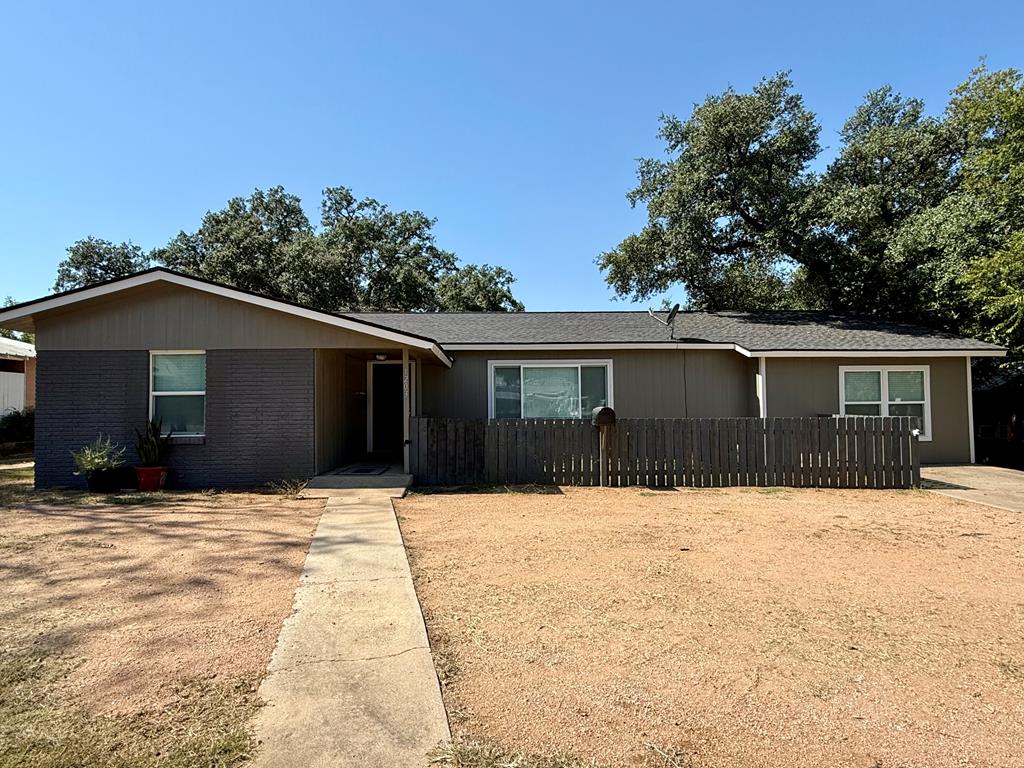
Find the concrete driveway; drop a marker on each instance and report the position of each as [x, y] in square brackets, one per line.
[995, 486]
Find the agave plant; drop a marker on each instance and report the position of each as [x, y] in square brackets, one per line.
[151, 445]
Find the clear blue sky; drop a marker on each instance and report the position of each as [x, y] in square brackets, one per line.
[516, 125]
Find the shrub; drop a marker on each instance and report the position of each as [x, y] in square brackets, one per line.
[18, 426]
[102, 453]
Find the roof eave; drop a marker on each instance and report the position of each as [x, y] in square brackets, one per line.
[921, 352]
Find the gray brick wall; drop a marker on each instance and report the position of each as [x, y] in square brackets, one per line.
[259, 414]
[80, 395]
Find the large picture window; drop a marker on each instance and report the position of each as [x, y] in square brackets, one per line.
[548, 389]
[895, 390]
[178, 392]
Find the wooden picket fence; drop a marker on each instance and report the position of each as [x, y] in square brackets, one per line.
[822, 452]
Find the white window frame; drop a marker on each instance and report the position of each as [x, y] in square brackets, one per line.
[153, 394]
[584, 363]
[883, 373]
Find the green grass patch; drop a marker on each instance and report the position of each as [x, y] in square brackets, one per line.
[205, 726]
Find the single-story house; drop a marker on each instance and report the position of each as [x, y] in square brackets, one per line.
[17, 375]
[256, 388]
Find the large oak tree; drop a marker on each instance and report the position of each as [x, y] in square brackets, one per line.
[917, 217]
[361, 256]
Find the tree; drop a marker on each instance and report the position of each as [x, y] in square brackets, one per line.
[390, 257]
[6, 333]
[478, 289]
[92, 260]
[726, 211]
[363, 256]
[917, 218]
[894, 165]
[244, 245]
[989, 108]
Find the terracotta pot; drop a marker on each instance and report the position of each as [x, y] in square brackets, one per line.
[104, 481]
[150, 478]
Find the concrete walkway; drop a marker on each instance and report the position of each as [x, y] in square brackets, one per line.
[994, 486]
[351, 681]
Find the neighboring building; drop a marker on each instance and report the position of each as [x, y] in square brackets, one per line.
[257, 389]
[17, 375]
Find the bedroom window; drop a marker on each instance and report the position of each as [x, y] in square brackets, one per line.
[177, 382]
[548, 389]
[895, 390]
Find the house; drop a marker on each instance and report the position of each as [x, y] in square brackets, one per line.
[257, 388]
[17, 375]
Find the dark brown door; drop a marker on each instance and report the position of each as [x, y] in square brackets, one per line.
[387, 409]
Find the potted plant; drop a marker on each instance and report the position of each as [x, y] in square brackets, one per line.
[151, 446]
[98, 463]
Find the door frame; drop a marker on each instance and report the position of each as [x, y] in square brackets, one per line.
[369, 394]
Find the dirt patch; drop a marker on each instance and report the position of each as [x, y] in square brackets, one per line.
[138, 594]
[733, 627]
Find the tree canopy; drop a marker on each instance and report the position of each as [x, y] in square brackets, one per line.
[917, 217]
[6, 333]
[92, 260]
[726, 211]
[361, 256]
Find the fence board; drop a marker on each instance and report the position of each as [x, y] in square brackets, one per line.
[622, 455]
[784, 432]
[661, 454]
[831, 452]
[685, 431]
[713, 460]
[640, 440]
[901, 434]
[757, 457]
[814, 455]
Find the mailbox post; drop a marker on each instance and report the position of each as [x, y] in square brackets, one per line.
[603, 418]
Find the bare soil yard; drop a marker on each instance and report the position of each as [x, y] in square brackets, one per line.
[732, 627]
[134, 627]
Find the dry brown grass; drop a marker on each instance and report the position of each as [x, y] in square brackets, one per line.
[733, 627]
[134, 628]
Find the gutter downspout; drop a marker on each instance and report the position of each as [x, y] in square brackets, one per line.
[762, 388]
[970, 406]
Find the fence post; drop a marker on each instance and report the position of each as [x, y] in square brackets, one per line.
[603, 418]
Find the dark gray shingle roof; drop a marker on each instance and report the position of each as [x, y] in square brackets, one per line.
[754, 331]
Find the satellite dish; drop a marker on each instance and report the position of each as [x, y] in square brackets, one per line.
[671, 316]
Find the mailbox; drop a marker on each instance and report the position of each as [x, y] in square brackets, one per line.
[602, 416]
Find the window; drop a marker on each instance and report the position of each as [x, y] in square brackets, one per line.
[548, 389]
[895, 390]
[178, 386]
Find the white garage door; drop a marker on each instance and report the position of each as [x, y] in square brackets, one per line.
[12, 392]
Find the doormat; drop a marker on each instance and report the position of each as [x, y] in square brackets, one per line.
[363, 469]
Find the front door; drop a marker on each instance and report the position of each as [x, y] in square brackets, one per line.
[385, 413]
